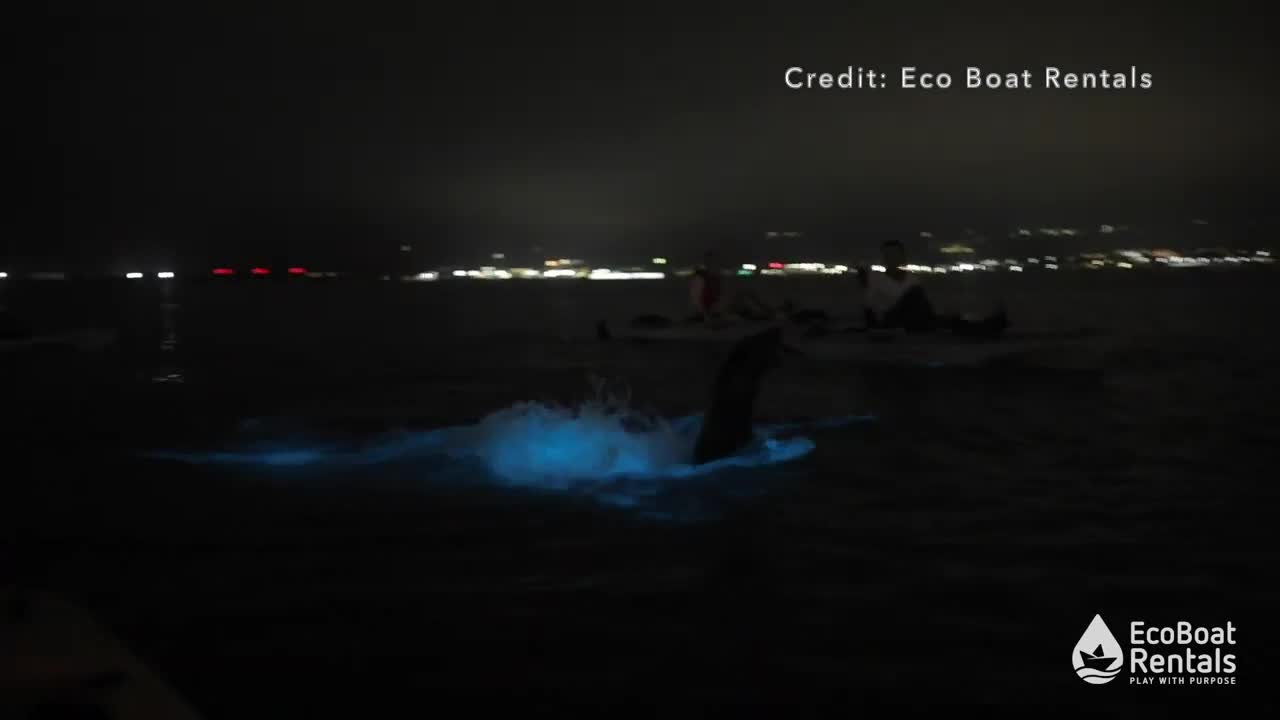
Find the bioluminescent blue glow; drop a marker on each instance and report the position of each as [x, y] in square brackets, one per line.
[615, 454]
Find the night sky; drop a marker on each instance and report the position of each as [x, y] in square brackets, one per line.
[340, 128]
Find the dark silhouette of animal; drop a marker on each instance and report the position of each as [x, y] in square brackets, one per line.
[727, 425]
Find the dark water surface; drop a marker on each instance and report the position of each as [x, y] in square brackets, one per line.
[951, 551]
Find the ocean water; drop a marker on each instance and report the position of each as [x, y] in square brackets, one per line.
[262, 492]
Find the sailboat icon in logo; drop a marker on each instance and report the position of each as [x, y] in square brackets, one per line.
[1097, 656]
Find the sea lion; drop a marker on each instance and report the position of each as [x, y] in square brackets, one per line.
[727, 426]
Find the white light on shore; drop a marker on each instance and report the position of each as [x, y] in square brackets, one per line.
[164, 275]
[877, 268]
[1051, 266]
[427, 276]
[459, 273]
[607, 274]
[561, 273]
[133, 275]
[3, 275]
[659, 261]
[1124, 265]
[1015, 268]
[748, 266]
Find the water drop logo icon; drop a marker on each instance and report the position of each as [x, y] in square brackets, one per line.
[1097, 657]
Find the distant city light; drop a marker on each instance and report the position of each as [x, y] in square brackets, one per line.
[3, 275]
[223, 271]
[499, 256]
[459, 273]
[552, 263]
[748, 266]
[1015, 268]
[1051, 266]
[133, 275]
[878, 268]
[427, 276]
[560, 273]
[607, 274]
[659, 261]
[260, 271]
[406, 248]
[1106, 229]
[926, 234]
[297, 271]
[1051, 258]
[1263, 253]
[775, 266]
[965, 267]
[164, 275]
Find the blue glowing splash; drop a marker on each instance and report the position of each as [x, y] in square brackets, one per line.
[614, 454]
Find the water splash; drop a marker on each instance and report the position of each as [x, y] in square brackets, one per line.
[601, 448]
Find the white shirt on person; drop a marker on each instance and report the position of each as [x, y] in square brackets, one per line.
[884, 291]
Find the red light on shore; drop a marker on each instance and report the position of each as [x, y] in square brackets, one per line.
[223, 271]
[260, 271]
[297, 271]
[775, 265]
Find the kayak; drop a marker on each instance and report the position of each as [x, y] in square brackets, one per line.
[57, 659]
[946, 349]
[858, 345]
